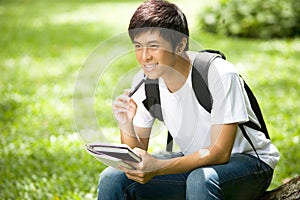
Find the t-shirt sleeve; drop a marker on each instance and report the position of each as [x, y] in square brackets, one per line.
[142, 118]
[228, 97]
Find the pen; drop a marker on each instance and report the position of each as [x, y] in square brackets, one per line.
[137, 86]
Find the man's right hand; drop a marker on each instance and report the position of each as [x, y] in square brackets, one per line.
[124, 109]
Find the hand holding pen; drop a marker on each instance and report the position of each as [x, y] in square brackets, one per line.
[124, 109]
[133, 91]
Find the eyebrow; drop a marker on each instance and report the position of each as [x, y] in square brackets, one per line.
[149, 42]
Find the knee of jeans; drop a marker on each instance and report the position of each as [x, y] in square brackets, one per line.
[111, 184]
[110, 177]
[204, 179]
[110, 174]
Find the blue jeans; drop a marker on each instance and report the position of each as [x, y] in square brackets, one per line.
[243, 177]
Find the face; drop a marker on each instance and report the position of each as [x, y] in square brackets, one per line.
[154, 54]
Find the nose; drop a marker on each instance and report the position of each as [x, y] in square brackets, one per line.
[146, 55]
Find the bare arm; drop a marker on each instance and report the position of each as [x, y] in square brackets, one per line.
[222, 138]
[124, 109]
[139, 137]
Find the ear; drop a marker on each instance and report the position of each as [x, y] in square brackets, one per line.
[181, 46]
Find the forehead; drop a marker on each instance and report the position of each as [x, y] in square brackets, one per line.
[150, 37]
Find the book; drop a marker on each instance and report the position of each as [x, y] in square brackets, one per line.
[113, 154]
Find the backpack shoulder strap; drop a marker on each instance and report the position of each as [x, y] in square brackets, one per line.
[200, 75]
[152, 104]
[152, 101]
[257, 111]
[199, 81]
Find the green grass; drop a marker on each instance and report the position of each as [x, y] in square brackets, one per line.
[45, 43]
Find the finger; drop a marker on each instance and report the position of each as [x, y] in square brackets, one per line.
[125, 169]
[137, 177]
[126, 92]
[133, 173]
[134, 178]
[119, 104]
[120, 111]
[133, 165]
[132, 104]
[123, 98]
[139, 151]
[132, 109]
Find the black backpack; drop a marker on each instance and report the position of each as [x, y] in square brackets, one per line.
[199, 82]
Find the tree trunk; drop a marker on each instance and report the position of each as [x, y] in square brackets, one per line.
[288, 191]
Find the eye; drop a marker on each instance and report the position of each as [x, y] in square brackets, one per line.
[154, 46]
[137, 46]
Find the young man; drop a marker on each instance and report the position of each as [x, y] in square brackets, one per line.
[216, 162]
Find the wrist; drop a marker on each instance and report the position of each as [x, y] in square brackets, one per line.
[165, 166]
[127, 128]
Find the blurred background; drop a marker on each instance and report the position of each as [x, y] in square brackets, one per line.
[45, 44]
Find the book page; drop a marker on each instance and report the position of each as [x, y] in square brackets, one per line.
[110, 161]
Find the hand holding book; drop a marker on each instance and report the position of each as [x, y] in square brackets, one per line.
[113, 155]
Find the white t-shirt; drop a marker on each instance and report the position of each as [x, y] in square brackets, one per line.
[189, 123]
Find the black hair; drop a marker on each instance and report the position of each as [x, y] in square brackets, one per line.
[161, 16]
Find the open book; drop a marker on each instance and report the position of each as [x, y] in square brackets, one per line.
[113, 155]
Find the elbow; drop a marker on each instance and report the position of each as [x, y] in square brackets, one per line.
[224, 158]
[220, 157]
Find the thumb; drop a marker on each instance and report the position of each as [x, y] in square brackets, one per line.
[126, 92]
[139, 151]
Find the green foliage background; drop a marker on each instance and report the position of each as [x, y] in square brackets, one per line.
[253, 18]
[43, 46]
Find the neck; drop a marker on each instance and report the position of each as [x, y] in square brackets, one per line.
[179, 73]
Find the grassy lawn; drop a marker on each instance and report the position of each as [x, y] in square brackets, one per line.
[44, 46]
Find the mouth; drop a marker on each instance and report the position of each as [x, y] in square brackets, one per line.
[150, 67]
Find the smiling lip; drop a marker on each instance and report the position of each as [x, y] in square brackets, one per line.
[150, 67]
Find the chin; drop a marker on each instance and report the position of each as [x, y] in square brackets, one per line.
[152, 75]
